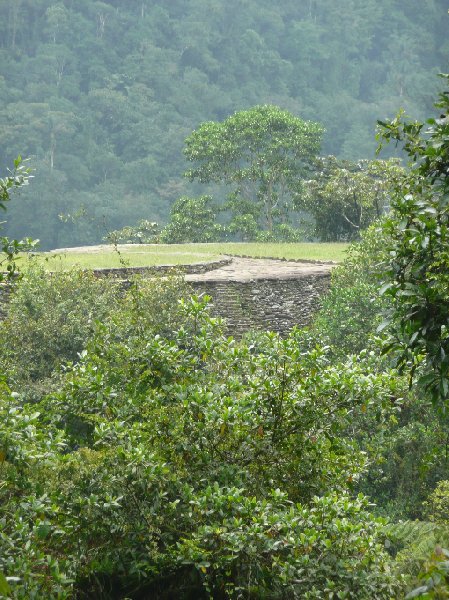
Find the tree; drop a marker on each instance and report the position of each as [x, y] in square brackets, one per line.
[124, 83]
[346, 197]
[417, 275]
[261, 154]
[192, 220]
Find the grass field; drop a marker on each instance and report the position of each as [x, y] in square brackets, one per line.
[97, 257]
[299, 251]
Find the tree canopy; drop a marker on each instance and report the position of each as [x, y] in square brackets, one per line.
[261, 154]
[345, 197]
[101, 95]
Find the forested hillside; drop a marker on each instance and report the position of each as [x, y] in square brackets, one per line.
[146, 454]
[101, 95]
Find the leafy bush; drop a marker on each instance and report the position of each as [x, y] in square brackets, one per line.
[433, 578]
[416, 274]
[50, 317]
[273, 548]
[352, 309]
[405, 449]
[280, 233]
[186, 465]
[145, 232]
[422, 558]
[150, 305]
[437, 506]
[192, 220]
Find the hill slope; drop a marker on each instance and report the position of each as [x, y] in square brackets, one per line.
[101, 95]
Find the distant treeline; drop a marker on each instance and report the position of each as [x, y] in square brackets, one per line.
[101, 95]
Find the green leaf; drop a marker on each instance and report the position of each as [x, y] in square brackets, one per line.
[417, 592]
[385, 287]
[5, 590]
[43, 531]
[383, 325]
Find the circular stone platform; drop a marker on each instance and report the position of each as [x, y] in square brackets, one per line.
[251, 269]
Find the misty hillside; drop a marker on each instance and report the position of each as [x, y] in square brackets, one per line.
[101, 95]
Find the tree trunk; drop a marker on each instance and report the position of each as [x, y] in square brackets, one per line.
[14, 17]
[52, 150]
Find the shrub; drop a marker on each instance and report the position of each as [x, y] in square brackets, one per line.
[437, 505]
[192, 220]
[352, 309]
[272, 548]
[187, 465]
[50, 317]
[145, 232]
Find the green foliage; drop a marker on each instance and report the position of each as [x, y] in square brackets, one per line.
[50, 317]
[247, 548]
[414, 541]
[407, 456]
[256, 418]
[192, 220]
[416, 272]
[437, 506]
[261, 154]
[422, 557]
[102, 94]
[10, 249]
[246, 228]
[407, 459]
[344, 197]
[152, 306]
[434, 584]
[145, 232]
[416, 534]
[282, 233]
[352, 309]
[15, 180]
[174, 462]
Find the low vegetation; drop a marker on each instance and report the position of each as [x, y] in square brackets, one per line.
[168, 458]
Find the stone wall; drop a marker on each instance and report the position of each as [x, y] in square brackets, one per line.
[265, 304]
[261, 303]
[194, 268]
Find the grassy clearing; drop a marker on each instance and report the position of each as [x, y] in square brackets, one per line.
[103, 257]
[299, 251]
[98, 257]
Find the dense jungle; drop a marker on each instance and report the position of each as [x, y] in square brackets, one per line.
[144, 452]
[101, 95]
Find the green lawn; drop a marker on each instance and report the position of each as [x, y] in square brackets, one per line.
[299, 251]
[177, 254]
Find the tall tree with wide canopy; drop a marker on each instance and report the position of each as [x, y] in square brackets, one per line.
[262, 154]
